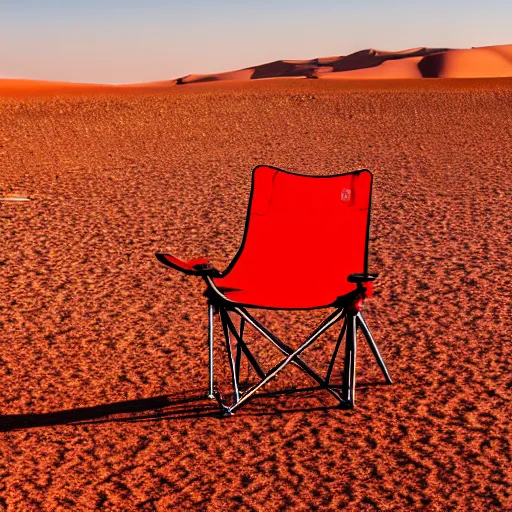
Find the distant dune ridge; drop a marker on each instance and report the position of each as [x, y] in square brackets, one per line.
[349, 66]
[483, 62]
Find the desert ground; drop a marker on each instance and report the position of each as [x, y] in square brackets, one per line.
[103, 361]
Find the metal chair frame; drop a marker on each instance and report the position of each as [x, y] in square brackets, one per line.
[351, 320]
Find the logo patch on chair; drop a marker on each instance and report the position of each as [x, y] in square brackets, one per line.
[345, 194]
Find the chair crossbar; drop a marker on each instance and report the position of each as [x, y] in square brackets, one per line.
[335, 353]
[283, 347]
[239, 349]
[243, 347]
[230, 356]
[286, 350]
[292, 355]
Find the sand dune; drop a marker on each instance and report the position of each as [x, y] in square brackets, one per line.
[485, 62]
[491, 61]
[403, 68]
[328, 67]
[242, 74]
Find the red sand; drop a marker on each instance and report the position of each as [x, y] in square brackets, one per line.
[103, 361]
[21, 88]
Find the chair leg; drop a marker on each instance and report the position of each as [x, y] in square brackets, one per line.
[371, 342]
[211, 394]
[243, 347]
[238, 360]
[239, 350]
[335, 353]
[349, 372]
[223, 314]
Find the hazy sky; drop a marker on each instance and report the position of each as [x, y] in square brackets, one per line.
[144, 40]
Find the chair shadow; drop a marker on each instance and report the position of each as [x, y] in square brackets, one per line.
[187, 405]
[182, 406]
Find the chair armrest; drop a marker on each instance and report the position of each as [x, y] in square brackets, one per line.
[194, 267]
[364, 284]
[362, 278]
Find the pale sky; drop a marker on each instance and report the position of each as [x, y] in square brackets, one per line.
[138, 41]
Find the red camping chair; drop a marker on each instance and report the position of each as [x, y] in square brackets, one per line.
[305, 246]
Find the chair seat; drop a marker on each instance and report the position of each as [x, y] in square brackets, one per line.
[283, 291]
[303, 237]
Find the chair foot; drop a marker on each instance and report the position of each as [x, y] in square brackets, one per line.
[225, 410]
[346, 404]
[210, 396]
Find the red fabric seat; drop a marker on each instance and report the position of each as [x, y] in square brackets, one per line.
[304, 236]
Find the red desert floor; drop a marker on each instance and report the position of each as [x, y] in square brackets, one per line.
[103, 364]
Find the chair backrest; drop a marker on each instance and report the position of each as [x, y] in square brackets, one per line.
[309, 228]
